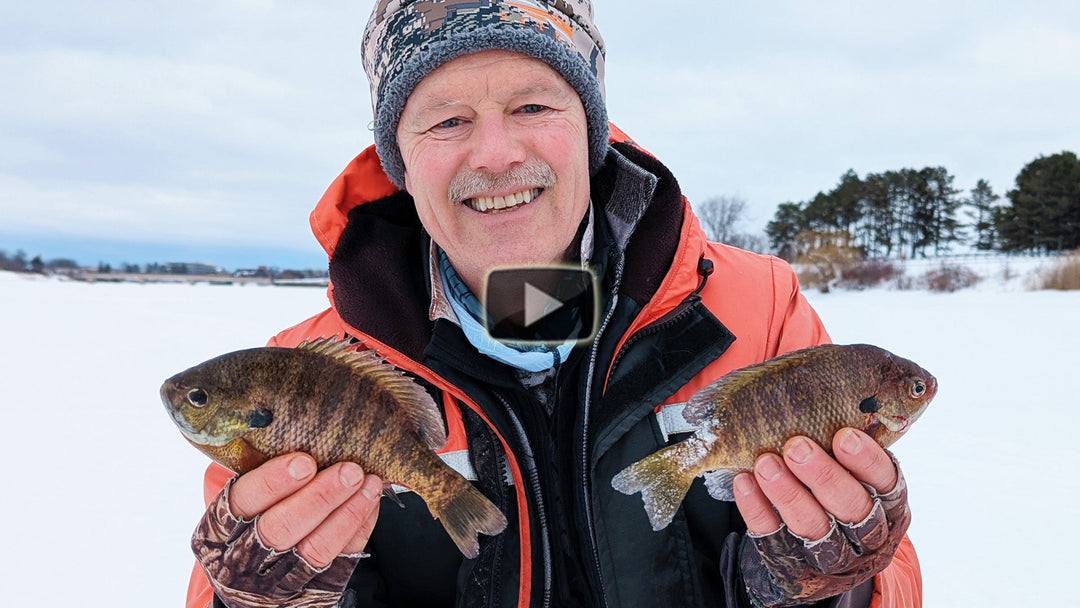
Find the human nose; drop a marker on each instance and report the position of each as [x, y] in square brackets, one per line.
[495, 147]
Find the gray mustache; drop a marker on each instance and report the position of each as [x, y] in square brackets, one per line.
[533, 173]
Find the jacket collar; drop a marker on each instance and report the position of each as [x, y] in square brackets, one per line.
[362, 181]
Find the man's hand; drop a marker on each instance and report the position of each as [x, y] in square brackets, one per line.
[322, 515]
[815, 527]
[283, 532]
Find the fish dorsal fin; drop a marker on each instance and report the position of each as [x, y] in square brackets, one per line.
[417, 403]
[702, 405]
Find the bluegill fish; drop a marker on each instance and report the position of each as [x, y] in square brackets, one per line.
[337, 404]
[813, 392]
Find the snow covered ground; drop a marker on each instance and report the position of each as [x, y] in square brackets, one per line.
[102, 492]
[992, 465]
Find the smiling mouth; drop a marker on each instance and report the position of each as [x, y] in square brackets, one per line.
[493, 204]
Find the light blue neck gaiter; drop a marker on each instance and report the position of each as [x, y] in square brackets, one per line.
[527, 357]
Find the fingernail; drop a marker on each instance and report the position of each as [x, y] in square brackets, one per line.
[767, 468]
[372, 487]
[850, 442]
[744, 485]
[799, 450]
[301, 467]
[350, 474]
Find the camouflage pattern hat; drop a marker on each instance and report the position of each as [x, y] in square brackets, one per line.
[406, 39]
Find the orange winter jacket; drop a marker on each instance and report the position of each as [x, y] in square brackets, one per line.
[677, 327]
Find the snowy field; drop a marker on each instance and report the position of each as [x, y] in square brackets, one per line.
[103, 493]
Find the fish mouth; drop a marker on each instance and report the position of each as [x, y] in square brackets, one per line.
[899, 423]
[168, 398]
[198, 437]
[207, 439]
[896, 424]
[497, 204]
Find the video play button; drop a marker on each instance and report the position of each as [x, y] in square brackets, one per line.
[538, 304]
[542, 304]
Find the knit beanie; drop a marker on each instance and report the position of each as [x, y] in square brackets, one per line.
[407, 39]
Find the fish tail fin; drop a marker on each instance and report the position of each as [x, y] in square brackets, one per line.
[663, 483]
[465, 514]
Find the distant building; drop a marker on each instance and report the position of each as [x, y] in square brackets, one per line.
[258, 273]
[191, 268]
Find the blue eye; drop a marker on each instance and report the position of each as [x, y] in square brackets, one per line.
[449, 123]
[531, 108]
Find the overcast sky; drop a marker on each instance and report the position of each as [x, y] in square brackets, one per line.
[205, 130]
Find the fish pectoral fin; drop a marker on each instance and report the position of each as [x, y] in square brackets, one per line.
[388, 492]
[719, 484]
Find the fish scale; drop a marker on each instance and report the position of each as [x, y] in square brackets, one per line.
[813, 392]
[337, 404]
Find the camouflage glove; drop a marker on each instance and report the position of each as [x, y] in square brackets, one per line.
[781, 569]
[245, 573]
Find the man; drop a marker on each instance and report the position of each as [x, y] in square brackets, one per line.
[493, 149]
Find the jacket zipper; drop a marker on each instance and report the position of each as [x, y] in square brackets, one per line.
[705, 268]
[534, 481]
[587, 411]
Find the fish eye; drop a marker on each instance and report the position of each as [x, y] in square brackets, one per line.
[918, 388]
[197, 397]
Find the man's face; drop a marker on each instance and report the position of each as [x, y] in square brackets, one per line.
[496, 157]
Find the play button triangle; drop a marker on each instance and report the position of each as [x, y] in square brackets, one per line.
[538, 304]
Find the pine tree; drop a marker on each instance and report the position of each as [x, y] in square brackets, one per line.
[879, 215]
[1044, 214]
[982, 204]
[944, 227]
[788, 221]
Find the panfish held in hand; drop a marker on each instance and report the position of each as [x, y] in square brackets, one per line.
[813, 392]
[334, 403]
